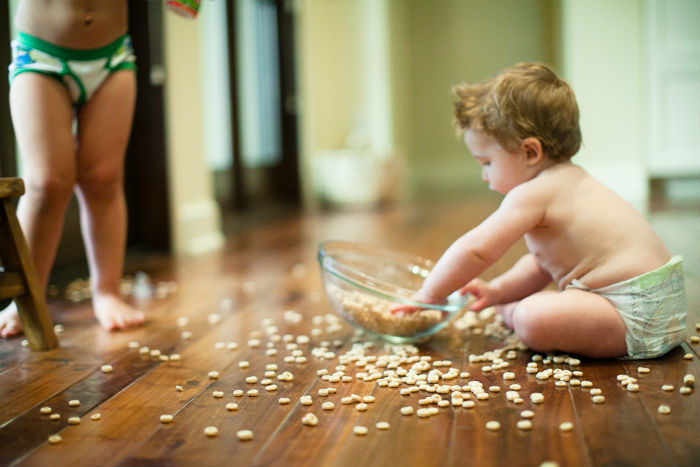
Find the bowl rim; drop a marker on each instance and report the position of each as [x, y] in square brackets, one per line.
[323, 256]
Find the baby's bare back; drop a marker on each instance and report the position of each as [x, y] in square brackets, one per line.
[75, 24]
[590, 233]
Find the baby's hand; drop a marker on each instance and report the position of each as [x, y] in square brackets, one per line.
[485, 294]
[405, 309]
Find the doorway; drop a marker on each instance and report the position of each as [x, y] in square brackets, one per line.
[263, 174]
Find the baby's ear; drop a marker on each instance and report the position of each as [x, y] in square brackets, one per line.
[532, 148]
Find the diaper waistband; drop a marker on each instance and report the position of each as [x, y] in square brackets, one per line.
[70, 54]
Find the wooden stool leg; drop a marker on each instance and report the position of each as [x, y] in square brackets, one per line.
[31, 305]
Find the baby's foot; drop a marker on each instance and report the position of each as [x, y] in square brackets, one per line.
[10, 325]
[113, 313]
[506, 312]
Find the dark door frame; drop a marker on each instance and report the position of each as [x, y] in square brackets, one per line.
[283, 178]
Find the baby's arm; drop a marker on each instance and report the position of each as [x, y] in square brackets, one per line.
[523, 279]
[521, 210]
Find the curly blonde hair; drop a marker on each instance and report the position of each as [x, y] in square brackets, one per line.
[525, 100]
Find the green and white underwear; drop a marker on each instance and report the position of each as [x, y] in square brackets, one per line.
[653, 307]
[80, 71]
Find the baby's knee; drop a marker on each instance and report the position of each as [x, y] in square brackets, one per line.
[532, 327]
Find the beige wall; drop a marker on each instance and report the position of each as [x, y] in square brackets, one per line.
[430, 47]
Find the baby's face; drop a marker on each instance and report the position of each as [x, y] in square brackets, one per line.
[502, 170]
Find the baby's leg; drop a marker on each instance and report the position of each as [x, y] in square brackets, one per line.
[42, 118]
[104, 124]
[572, 321]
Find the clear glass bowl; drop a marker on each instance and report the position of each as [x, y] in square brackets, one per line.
[363, 283]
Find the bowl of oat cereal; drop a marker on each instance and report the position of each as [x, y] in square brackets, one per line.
[364, 283]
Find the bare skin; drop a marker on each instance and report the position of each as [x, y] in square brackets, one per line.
[58, 163]
[574, 227]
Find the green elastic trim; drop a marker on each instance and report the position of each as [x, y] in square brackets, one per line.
[51, 74]
[69, 54]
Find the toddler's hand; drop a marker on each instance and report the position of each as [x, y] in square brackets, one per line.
[405, 309]
[485, 294]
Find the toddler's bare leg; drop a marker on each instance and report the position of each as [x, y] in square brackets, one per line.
[572, 321]
[42, 117]
[104, 124]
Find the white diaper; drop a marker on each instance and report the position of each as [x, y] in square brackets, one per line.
[653, 307]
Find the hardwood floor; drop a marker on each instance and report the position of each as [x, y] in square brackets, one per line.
[268, 276]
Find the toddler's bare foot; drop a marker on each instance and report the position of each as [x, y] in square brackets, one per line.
[113, 313]
[506, 312]
[10, 325]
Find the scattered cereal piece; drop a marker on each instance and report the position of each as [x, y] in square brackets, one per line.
[211, 431]
[55, 439]
[166, 418]
[382, 425]
[667, 387]
[598, 399]
[253, 393]
[643, 370]
[309, 419]
[213, 375]
[74, 421]
[96, 416]
[244, 435]
[106, 368]
[689, 380]
[360, 430]
[664, 409]
[407, 410]
[537, 397]
[55, 416]
[328, 406]
[45, 410]
[231, 406]
[524, 425]
[284, 400]
[218, 394]
[566, 427]
[493, 425]
[685, 390]
[74, 403]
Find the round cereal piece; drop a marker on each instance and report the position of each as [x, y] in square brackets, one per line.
[74, 420]
[493, 425]
[284, 400]
[664, 409]
[360, 430]
[45, 410]
[382, 425]
[598, 399]
[566, 427]
[361, 407]
[106, 368]
[407, 410]
[244, 435]
[328, 406]
[253, 393]
[211, 431]
[96, 416]
[55, 416]
[218, 394]
[309, 419]
[166, 418]
[537, 397]
[271, 387]
[55, 439]
[231, 406]
[213, 374]
[74, 403]
[524, 425]
[238, 392]
[251, 379]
